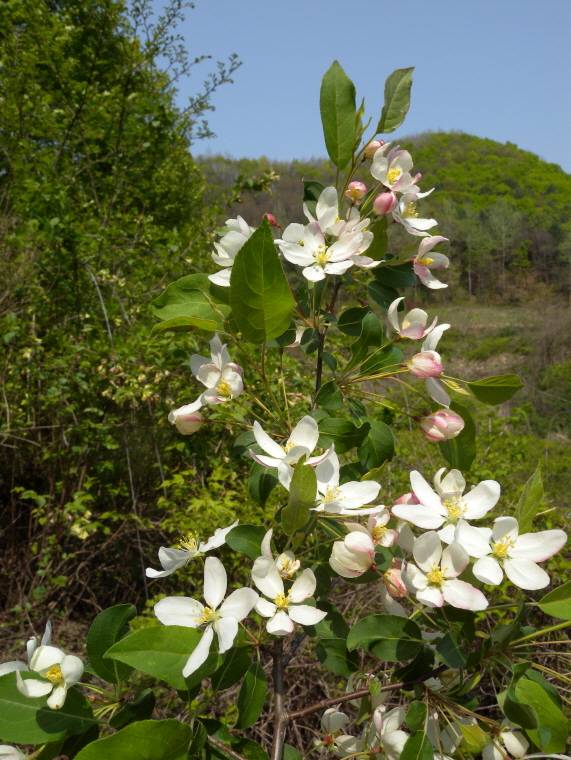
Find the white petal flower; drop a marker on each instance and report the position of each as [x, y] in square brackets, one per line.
[31, 645]
[393, 169]
[444, 507]
[58, 671]
[517, 555]
[284, 608]
[172, 558]
[218, 616]
[301, 442]
[406, 214]
[286, 563]
[11, 753]
[413, 325]
[426, 261]
[238, 232]
[385, 731]
[347, 498]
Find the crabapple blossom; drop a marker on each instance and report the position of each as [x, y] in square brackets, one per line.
[58, 671]
[393, 169]
[31, 645]
[271, 219]
[301, 442]
[406, 214]
[426, 261]
[513, 554]
[174, 557]
[384, 203]
[355, 191]
[238, 232]
[427, 364]
[442, 508]
[286, 563]
[220, 616]
[333, 721]
[284, 608]
[221, 376]
[356, 553]
[442, 425]
[11, 753]
[385, 735]
[372, 147]
[434, 577]
[413, 324]
[347, 498]
[513, 740]
[187, 419]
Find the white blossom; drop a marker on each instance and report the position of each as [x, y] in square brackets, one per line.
[428, 365]
[31, 645]
[413, 324]
[346, 498]
[11, 753]
[238, 232]
[406, 214]
[219, 615]
[286, 563]
[426, 261]
[513, 741]
[58, 672]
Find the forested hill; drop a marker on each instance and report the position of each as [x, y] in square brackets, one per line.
[506, 211]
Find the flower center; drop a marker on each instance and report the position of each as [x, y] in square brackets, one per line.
[455, 508]
[378, 532]
[393, 175]
[288, 447]
[287, 566]
[501, 549]
[224, 389]
[410, 211]
[282, 601]
[208, 616]
[55, 676]
[331, 494]
[321, 255]
[435, 576]
[425, 262]
[189, 543]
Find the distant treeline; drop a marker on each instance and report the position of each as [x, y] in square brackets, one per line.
[506, 212]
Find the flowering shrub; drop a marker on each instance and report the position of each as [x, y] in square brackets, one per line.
[434, 556]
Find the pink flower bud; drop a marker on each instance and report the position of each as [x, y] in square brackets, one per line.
[373, 147]
[355, 190]
[426, 364]
[393, 581]
[442, 425]
[271, 219]
[384, 203]
[407, 498]
[187, 419]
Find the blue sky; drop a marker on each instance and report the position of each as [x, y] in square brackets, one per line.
[494, 68]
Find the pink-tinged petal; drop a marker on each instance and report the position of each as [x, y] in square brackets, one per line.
[425, 494]
[538, 546]
[463, 595]
[266, 443]
[303, 587]
[226, 629]
[313, 274]
[505, 527]
[304, 614]
[359, 542]
[264, 460]
[208, 375]
[418, 514]
[200, 652]
[280, 624]
[346, 563]
[454, 561]
[481, 499]
[179, 610]
[525, 574]
[357, 493]
[392, 314]
[305, 433]
[427, 551]
[430, 596]
[239, 603]
[488, 570]
[215, 582]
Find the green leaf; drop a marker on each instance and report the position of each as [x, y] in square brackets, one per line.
[141, 708]
[350, 321]
[389, 356]
[530, 501]
[261, 299]
[107, 628]
[389, 637]
[236, 663]
[252, 696]
[397, 276]
[557, 602]
[371, 336]
[474, 739]
[397, 100]
[246, 539]
[495, 390]
[28, 721]
[344, 434]
[302, 495]
[460, 452]
[338, 114]
[261, 483]
[381, 294]
[451, 651]
[329, 397]
[189, 303]
[160, 651]
[552, 725]
[378, 446]
[417, 747]
[311, 192]
[145, 740]
[290, 753]
[378, 248]
[416, 716]
[332, 653]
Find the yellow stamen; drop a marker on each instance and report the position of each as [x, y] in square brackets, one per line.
[321, 256]
[282, 601]
[378, 532]
[410, 210]
[55, 675]
[287, 567]
[188, 542]
[393, 175]
[331, 494]
[425, 262]
[501, 549]
[224, 389]
[208, 616]
[455, 508]
[288, 447]
[435, 577]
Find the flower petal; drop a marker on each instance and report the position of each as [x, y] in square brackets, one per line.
[56, 700]
[431, 596]
[215, 582]
[303, 587]
[305, 433]
[239, 603]
[481, 499]
[463, 595]
[539, 546]
[72, 669]
[266, 443]
[265, 608]
[217, 539]
[427, 550]
[267, 578]
[488, 570]
[424, 493]
[304, 614]
[476, 541]
[46, 656]
[525, 574]
[171, 559]
[454, 560]
[226, 629]
[280, 624]
[179, 610]
[32, 687]
[419, 514]
[199, 653]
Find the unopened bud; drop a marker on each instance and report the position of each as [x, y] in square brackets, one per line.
[373, 147]
[271, 219]
[407, 498]
[442, 425]
[355, 190]
[384, 203]
[187, 419]
[394, 583]
[426, 364]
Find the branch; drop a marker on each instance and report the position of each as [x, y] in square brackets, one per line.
[325, 703]
[223, 747]
[280, 715]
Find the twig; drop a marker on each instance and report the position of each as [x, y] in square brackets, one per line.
[280, 715]
[223, 747]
